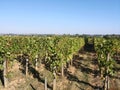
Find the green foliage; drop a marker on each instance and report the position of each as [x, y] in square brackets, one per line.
[55, 50]
[104, 47]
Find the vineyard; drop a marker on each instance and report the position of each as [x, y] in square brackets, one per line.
[59, 62]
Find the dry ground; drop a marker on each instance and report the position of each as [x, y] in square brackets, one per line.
[82, 75]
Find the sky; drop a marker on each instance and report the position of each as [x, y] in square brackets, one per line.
[60, 16]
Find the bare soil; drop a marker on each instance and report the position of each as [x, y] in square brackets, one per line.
[82, 75]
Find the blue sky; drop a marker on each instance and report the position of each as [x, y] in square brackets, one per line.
[60, 16]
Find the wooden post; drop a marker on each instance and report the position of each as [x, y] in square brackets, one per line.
[106, 83]
[45, 83]
[54, 81]
[39, 59]
[62, 70]
[5, 73]
[26, 71]
[36, 64]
